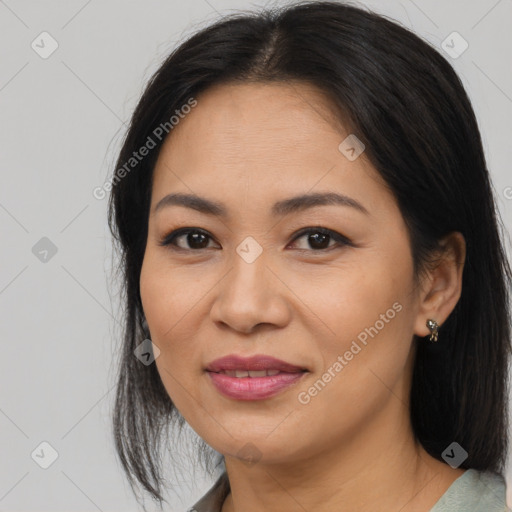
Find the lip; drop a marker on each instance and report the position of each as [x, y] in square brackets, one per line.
[253, 388]
[255, 363]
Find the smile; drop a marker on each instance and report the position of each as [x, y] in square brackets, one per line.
[253, 385]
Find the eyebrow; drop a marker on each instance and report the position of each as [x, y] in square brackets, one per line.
[280, 208]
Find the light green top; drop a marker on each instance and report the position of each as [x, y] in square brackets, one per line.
[473, 491]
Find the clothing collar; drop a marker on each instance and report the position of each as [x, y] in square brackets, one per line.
[213, 500]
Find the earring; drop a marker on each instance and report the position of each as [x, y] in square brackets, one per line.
[433, 326]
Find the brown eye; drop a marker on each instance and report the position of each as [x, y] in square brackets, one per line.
[196, 239]
[318, 239]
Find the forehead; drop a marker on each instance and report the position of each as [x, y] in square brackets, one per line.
[256, 140]
[232, 118]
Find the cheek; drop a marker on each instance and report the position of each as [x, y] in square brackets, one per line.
[366, 356]
[168, 297]
[167, 292]
[365, 315]
[351, 298]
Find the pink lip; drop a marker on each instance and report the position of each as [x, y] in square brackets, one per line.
[256, 362]
[253, 388]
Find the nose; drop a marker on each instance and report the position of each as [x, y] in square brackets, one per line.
[249, 296]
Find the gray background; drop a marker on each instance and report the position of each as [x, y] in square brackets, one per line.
[62, 122]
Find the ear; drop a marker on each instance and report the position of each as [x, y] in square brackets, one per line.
[442, 286]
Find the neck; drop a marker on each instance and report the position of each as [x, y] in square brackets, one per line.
[380, 467]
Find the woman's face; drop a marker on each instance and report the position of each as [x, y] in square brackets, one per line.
[338, 303]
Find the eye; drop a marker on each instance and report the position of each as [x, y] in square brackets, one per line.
[195, 237]
[318, 238]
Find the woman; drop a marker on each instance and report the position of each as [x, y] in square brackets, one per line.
[310, 241]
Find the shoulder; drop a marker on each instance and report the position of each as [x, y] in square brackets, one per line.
[483, 491]
[212, 501]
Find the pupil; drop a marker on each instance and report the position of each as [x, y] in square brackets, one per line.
[193, 240]
[323, 238]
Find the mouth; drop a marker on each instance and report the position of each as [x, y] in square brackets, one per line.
[252, 366]
[254, 378]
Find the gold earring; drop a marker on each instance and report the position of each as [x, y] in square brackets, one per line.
[433, 326]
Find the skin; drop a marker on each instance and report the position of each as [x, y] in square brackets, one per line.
[351, 447]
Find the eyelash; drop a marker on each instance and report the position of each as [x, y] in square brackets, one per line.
[168, 240]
